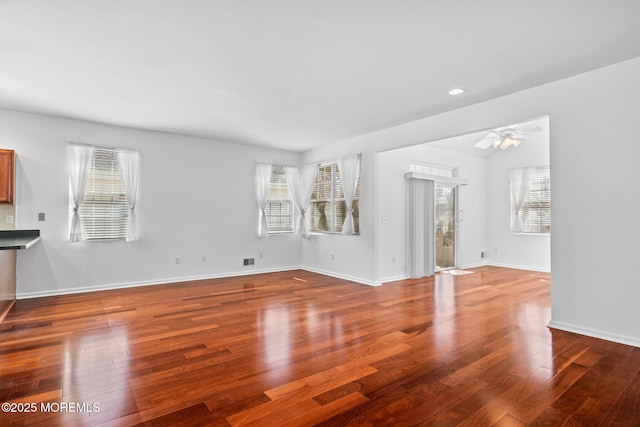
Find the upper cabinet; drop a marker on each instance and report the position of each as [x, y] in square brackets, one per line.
[7, 177]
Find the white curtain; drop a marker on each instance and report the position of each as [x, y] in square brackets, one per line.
[519, 183]
[129, 162]
[79, 158]
[421, 235]
[348, 174]
[300, 189]
[307, 180]
[262, 181]
[292, 175]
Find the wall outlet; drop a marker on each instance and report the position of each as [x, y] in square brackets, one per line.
[483, 254]
[41, 216]
[203, 258]
[249, 261]
[177, 260]
[9, 219]
[333, 257]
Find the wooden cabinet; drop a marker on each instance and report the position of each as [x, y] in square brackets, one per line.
[7, 177]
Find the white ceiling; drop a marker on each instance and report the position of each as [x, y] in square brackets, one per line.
[293, 74]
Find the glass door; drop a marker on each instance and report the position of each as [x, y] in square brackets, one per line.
[445, 227]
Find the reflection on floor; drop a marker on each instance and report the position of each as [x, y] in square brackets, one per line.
[456, 272]
[296, 348]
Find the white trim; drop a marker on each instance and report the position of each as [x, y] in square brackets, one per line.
[113, 286]
[595, 333]
[342, 276]
[520, 267]
[395, 278]
[468, 266]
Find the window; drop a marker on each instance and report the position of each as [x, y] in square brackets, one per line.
[104, 212]
[328, 206]
[279, 209]
[530, 200]
[433, 169]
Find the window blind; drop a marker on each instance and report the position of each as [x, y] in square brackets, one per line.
[535, 213]
[104, 210]
[328, 206]
[279, 210]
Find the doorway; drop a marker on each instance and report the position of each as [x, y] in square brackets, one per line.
[432, 231]
[445, 223]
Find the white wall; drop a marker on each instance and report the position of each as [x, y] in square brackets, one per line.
[197, 199]
[593, 150]
[393, 213]
[532, 252]
[344, 256]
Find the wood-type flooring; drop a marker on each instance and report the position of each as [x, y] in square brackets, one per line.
[297, 348]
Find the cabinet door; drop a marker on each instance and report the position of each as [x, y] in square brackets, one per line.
[7, 176]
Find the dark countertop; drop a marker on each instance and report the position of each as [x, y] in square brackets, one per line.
[18, 239]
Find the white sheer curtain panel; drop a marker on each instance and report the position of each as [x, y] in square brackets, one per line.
[348, 174]
[307, 179]
[421, 230]
[300, 188]
[292, 175]
[129, 162]
[79, 158]
[263, 181]
[519, 183]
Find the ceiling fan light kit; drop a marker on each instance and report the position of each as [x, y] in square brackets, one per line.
[505, 142]
[505, 138]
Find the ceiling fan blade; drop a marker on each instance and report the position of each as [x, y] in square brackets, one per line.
[486, 142]
[533, 129]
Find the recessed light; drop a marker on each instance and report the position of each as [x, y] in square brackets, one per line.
[456, 91]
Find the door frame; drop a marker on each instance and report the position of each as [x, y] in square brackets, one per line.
[456, 227]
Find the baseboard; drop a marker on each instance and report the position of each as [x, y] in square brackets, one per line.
[341, 276]
[520, 267]
[469, 266]
[407, 276]
[393, 278]
[595, 333]
[112, 286]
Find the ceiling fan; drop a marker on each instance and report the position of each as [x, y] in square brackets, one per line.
[507, 136]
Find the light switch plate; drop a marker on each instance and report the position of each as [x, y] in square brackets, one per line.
[41, 216]
[9, 219]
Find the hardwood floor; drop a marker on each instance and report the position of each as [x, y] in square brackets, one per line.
[297, 348]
